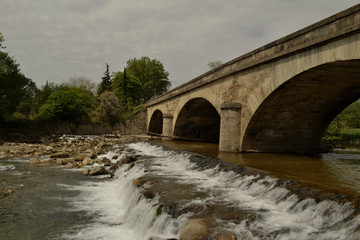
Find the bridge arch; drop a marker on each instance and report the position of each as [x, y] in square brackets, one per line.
[156, 122]
[293, 117]
[198, 120]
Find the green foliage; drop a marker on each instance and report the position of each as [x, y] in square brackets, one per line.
[81, 82]
[106, 82]
[346, 126]
[151, 74]
[15, 87]
[70, 105]
[126, 87]
[108, 109]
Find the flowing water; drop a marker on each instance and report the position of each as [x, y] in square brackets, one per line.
[54, 203]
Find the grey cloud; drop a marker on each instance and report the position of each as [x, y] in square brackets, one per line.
[57, 39]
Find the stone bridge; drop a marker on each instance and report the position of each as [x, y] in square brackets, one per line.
[278, 98]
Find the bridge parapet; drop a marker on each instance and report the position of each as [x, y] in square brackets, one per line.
[337, 26]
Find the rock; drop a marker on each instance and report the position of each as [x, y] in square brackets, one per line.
[80, 157]
[98, 161]
[130, 166]
[68, 160]
[92, 154]
[106, 161]
[129, 159]
[69, 165]
[87, 161]
[59, 161]
[60, 155]
[49, 149]
[137, 182]
[98, 170]
[195, 229]
[225, 236]
[34, 161]
[115, 157]
[86, 171]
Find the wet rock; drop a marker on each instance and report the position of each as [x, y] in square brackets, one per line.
[60, 155]
[115, 157]
[34, 161]
[106, 161]
[225, 236]
[68, 160]
[59, 161]
[147, 193]
[129, 159]
[195, 229]
[138, 183]
[88, 161]
[131, 165]
[69, 165]
[98, 170]
[49, 149]
[86, 171]
[80, 157]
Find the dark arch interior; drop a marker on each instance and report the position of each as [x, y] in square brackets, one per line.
[198, 120]
[156, 122]
[294, 117]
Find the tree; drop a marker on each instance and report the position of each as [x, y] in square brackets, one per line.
[67, 104]
[15, 87]
[215, 64]
[81, 82]
[127, 86]
[106, 83]
[108, 109]
[151, 74]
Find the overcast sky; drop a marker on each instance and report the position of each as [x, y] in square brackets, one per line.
[54, 40]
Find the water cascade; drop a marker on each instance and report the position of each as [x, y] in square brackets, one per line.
[119, 210]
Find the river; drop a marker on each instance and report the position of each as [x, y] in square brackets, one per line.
[58, 203]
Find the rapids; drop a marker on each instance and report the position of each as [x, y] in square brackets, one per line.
[58, 203]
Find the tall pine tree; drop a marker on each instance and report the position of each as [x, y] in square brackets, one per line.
[106, 82]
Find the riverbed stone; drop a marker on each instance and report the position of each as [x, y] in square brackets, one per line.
[225, 236]
[34, 161]
[88, 161]
[80, 157]
[106, 161]
[138, 182]
[195, 229]
[98, 170]
[60, 155]
[86, 171]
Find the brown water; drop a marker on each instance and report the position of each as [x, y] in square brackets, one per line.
[338, 171]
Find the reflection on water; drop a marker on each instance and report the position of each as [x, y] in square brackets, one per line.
[338, 171]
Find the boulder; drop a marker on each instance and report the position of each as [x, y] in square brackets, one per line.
[131, 165]
[137, 182]
[59, 161]
[49, 149]
[106, 161]
[88, 161]
[67, 160]
[34, 161]
[60, 155]
[80, 157]
[195, 229]
[225, 236]
[86, 171]
[98, 170]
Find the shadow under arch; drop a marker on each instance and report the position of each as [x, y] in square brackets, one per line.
[156, 123]
[294, 117]
[198, 120]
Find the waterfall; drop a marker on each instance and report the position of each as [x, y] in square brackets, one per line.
[118, 210]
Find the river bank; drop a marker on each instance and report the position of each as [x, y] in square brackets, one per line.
[197, 207]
